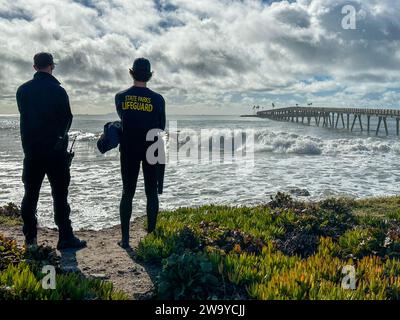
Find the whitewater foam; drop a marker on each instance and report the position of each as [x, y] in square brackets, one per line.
[84, 136]
[283, 142]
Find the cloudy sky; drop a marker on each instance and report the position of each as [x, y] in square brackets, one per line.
[209, 56]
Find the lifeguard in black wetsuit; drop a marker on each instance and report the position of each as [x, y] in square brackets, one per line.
[140, 110]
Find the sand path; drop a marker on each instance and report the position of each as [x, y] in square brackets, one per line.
[102, 258]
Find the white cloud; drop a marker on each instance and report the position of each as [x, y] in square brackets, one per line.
[205, 51]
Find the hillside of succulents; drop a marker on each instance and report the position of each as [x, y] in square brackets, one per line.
[284, 250]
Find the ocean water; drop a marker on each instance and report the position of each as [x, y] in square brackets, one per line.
[326, 162]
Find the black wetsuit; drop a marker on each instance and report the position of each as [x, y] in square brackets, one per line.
[140, 110]
[45, 118]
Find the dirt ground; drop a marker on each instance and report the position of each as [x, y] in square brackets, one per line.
[102, 258]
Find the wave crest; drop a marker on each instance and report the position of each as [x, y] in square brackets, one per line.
[84, 136]
[283, 142]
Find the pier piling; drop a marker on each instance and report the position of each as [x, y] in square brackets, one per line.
[330, 117]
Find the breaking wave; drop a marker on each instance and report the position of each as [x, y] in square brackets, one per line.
[6, 124]
[84, 136]
[283, 142]
[267, 141]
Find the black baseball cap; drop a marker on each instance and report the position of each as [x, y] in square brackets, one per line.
[142, 65]
[43, 59]
[141, 70]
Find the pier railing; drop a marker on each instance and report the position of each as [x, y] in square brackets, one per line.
[330, 117]
[376, 112]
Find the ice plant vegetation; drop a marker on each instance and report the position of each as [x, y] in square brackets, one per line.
[284, 250]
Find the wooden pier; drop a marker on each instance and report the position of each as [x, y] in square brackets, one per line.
[339, 118]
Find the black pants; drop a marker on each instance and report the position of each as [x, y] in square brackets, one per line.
[56, 167]
[130, 166]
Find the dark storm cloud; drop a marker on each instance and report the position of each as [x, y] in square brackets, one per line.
[202, 50]
[295, 17]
